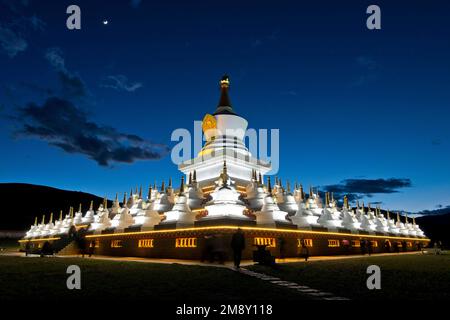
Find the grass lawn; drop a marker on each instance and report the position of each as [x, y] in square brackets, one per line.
[422, 277]
[9, 245]
[45, 278]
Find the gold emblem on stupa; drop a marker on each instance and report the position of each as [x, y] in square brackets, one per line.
[209, 122]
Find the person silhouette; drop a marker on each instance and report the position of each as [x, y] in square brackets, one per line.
[237, 244]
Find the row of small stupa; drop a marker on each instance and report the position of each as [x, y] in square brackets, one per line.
[268, 206]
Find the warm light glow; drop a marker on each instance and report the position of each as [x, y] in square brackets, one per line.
[306, 242]
[356, 243]
[41, 239]
[333, 243]
[116, 243]
[186, 243]
[286, 231]
[145, 243]
[269, 242]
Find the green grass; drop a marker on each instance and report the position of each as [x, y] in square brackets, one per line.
[45, 278]
[9, 244]
[412, 277]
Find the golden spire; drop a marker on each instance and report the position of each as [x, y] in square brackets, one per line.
[149, 193]
[398, 216]
[346, 201]
[35, 220]
[163, 186]
[79, 207]
[43, 219]
[414, 220]
[60, 215]
[105, 203]
[302, 192]
[357, 204]
[154, 185]
[288, 187]
[388, 214]
[332, 197]
[327, 199]
[91, 206]
[117, 198]
[140, 192]
[310, 192]
[124, 203]
[170, 180]
[190, 178]
[71, 212]
[131, 192]
[194, 177]
[51, 217]
[406, 217]
[136, 190]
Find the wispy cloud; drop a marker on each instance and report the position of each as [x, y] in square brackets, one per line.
[11, 42]
[120, 83]
[71, 83]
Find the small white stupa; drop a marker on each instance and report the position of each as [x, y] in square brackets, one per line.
[285, 199]
[255, 192]
[194, 192]
[225, 202]
[149, 217]
[270, 213]
[180, 214]
[78, 219]
[349, 219]
[331, 217]
[123, 219]
[89, 216]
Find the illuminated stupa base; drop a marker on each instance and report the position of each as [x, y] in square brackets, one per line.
[225, 188]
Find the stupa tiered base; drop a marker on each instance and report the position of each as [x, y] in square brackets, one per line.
[189, 243]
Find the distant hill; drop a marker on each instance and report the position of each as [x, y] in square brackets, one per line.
[21, 203]
[436, 227]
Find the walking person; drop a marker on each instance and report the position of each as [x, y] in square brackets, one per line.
[237, 244]
[27, 248]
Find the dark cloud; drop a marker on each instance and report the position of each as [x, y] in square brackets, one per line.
[71, 84]
[60, 123]
[440, 210]
[120, 83]
[359, 188]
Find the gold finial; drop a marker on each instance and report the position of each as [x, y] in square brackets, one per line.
[105, 203]
[302, 192]
[131, 192]
[346, 201]
[310, 192]
[117, 198]
[71, 212]
[190, 178]
[327, 198]
[170, 181]
[288, 187]
[398, 216]
[60, 215]
[51, 217]
[140, 192]
[225, 81]
[149, 193]
[163, 186]
[414, 220]
[406, 217]
[357, 204]
[332, 197]
[35, 220]
[43, 219]
[79, 207]
[91, 206]
[388, 214]
[182, 185]
[269, 186]
[124, 203]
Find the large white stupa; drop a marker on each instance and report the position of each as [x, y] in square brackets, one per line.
[225, 185]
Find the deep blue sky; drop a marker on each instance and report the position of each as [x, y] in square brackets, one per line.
[350, 103]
